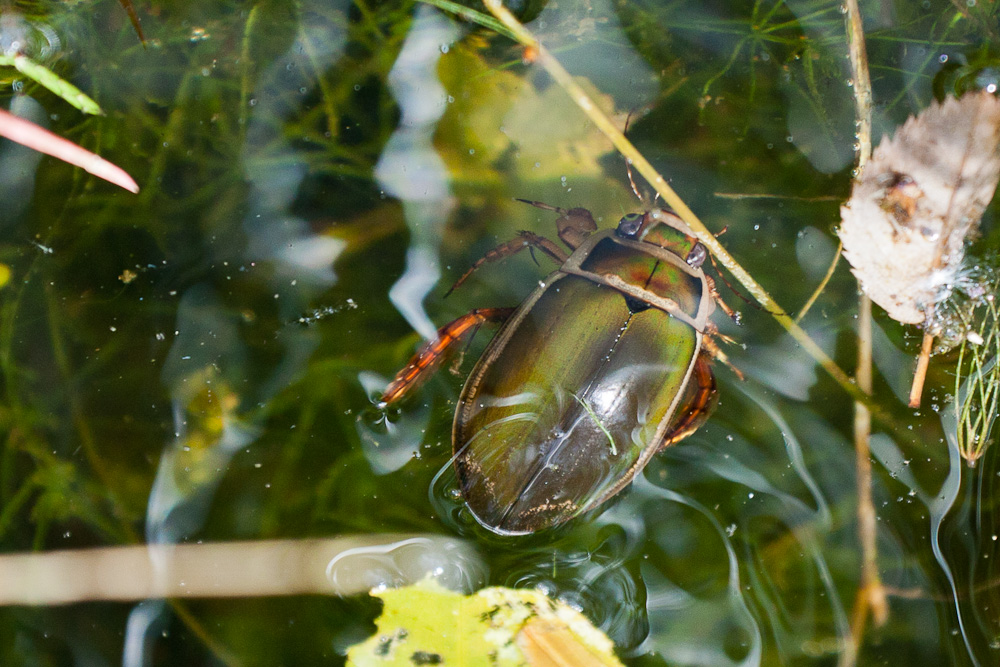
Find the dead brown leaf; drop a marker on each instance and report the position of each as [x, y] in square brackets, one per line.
[919, 199]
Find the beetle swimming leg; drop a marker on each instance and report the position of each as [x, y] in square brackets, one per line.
[713, 350]
[433, 352]
[697, 403]
[574, 224]
[524, 240]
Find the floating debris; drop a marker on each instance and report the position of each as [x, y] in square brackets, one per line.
[919, 199]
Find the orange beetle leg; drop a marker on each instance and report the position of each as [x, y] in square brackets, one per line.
[697, 403]
[430, 356]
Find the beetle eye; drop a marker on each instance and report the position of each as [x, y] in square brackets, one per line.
[630, 224]
[697, 256]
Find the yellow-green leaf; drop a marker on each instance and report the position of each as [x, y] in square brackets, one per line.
[46, 77]
[426, 624]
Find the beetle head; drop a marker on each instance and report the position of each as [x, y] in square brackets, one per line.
[574, 226]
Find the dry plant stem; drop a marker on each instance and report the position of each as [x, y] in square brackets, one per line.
[194, 625]
[863, 473]
[963, 8]
[862, 82]
[763, 195]
[917, 388]
[625, 147]
[871, 594]
[38, 138]
[822, 284]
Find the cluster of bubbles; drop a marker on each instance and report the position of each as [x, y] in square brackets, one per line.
[964, 303]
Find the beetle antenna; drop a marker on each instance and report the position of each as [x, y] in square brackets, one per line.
[628, 165]
[631, 181]
[542, 205]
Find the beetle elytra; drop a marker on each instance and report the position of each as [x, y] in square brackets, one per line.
[604, 364]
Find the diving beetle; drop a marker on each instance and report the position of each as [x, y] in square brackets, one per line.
[604, 364]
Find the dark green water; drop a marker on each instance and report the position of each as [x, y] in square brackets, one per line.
[315, 176]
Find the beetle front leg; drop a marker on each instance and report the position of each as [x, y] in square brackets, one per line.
[525, 239]
[574, 224]
[430, 356]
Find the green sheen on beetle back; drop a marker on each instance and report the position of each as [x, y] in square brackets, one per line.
[603, 365]
[572, 368]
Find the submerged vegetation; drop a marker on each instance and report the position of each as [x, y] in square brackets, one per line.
[201, 361]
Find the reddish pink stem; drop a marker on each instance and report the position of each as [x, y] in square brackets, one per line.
[28, 134]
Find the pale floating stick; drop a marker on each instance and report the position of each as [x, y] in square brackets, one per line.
[551, 644]
[642, 165]
[338, 566]
[38, 138]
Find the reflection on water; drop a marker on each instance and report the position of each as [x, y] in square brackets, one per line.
[390, 439]
[315, 175]
[701, 628]
[410, 169]
[21, 36]
[451, 564]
